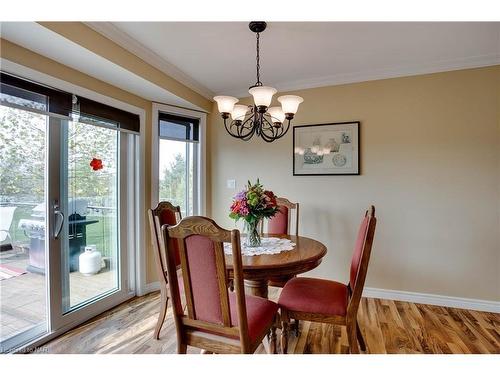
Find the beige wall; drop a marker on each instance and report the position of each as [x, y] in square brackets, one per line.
[430, 162]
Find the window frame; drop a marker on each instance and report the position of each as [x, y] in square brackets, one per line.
[199, 190]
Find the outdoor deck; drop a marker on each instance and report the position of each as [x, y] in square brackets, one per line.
[23, 298]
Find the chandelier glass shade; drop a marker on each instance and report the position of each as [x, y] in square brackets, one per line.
[270, 123]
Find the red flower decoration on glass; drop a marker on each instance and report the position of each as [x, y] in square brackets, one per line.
[96, 164]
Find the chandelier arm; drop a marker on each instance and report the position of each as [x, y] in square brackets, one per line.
[284, 131]
[238, 134]
[270, 125]
[244, 124]
[250, 134]
[266, 138]
[268, 129]
[279, 133]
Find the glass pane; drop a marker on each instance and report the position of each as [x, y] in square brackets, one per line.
[176, 174]
[23, 308]
[91, 233]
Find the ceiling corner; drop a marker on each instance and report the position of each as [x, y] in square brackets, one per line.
[110, 31]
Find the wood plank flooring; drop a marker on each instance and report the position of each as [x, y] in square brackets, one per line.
[388, 327]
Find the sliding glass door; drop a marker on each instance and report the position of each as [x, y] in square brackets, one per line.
[93, 198]
[90, 190]
[66, 214]
[23, 223]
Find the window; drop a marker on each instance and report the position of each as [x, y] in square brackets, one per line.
[179, 158]
[178, 152]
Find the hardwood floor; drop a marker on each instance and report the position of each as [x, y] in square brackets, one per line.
[388, 327]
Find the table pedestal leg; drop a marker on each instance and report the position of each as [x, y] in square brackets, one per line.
[256, 288]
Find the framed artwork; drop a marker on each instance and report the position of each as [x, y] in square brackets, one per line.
[326, 149]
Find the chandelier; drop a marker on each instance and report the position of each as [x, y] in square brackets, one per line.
[270, 123]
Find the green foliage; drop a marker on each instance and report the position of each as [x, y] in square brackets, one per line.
[22, 159]
[173, 183]
[22, 154]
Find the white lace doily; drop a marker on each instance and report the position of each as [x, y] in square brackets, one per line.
[268, 245]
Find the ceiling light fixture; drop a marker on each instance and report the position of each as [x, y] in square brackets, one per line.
[260, 119]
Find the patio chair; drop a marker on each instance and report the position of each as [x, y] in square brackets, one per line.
[6, 217]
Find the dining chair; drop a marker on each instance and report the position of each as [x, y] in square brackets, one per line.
[163, 213]
[281, 223]
[326, 301]
[216, 320]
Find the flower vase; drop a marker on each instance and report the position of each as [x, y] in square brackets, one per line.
[252, 231]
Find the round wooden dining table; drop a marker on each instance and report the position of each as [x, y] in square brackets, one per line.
[259, 269]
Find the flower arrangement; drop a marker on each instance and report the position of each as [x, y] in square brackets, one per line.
[252, 205]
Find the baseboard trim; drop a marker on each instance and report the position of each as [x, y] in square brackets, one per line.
[433, 299]
[151, 287]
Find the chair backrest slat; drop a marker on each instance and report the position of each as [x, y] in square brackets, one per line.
[222, 283]
[186, 277]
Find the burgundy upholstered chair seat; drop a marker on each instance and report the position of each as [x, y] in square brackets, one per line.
[310, 295]
[260, 313]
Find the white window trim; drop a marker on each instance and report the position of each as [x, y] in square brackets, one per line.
[201, 162]
[137, 265]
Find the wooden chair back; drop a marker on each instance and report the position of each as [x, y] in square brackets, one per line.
[360, 260]
[282, 222]
[163, 213]
[201, 250]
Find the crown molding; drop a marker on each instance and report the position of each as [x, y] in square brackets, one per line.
[113, 33]
[124, 40]
[396, 72]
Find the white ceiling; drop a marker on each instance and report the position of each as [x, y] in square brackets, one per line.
[219, 57]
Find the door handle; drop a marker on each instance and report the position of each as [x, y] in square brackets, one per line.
[59, 225]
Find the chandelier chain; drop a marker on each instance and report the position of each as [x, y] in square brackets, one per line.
[259, 83]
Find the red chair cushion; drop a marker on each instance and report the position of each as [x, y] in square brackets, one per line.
[278, 224]
[304, 294]
[260, 314]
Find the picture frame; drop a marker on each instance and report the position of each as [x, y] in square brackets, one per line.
[331, 149]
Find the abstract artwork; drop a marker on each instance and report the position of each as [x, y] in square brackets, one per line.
[326, 149]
